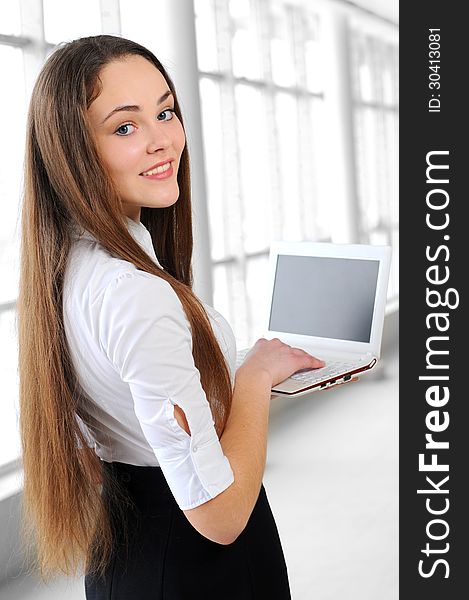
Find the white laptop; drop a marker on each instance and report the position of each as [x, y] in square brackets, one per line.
[328, 299]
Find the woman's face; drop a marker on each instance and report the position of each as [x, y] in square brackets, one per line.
[139, 137]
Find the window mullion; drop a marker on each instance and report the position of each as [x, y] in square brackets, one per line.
[233, 206]
[265, 30]
[296, 35]
[32, 22]
[18, 41]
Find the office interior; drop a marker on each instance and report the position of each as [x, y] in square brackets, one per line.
[291, 115]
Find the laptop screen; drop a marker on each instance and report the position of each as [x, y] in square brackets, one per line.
[324, 297]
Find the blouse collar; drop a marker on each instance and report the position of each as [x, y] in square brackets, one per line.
[138, 231]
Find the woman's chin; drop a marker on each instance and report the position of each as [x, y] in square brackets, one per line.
[165, 204]
[161, 202]
[165, 200]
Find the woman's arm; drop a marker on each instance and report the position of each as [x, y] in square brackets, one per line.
[244, 440]
[244, 443]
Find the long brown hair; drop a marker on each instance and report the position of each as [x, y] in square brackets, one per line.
[66, 186]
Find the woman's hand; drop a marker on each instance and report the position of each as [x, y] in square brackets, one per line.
[278, 360]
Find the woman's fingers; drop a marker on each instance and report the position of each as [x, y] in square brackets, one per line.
[311, 362]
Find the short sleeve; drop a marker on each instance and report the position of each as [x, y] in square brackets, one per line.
[144, 332]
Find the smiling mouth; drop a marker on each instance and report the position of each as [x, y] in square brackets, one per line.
[157, 170]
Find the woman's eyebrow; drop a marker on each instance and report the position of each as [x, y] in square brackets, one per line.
[135, 107]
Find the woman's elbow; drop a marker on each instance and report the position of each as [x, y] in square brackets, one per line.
[230, 536]
[225, 538]
[221, 531]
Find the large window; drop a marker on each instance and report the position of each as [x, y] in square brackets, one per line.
[262, 112]
[263, 86]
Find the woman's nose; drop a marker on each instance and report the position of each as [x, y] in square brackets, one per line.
[158, 139]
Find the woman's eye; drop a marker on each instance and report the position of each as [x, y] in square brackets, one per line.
[125, 129]
[166, 115]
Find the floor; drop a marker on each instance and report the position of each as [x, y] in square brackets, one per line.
[332, 482]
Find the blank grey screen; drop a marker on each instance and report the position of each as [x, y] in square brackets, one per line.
[324, 297]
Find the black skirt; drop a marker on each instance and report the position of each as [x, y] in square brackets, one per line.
[163, 557]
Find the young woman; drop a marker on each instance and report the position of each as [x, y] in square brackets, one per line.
[143, 449]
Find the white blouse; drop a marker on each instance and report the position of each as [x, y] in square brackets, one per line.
[131, 346]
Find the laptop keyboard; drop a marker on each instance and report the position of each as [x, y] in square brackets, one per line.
[331, 369]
